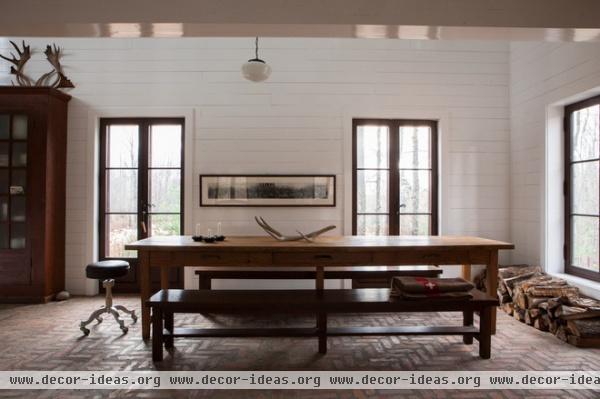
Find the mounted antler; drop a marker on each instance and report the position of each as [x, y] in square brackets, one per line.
[301, 236]
[19, 62]
[53, 56]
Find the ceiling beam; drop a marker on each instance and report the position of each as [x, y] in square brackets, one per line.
[325, 18]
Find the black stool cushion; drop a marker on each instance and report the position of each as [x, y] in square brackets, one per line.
[107, 269]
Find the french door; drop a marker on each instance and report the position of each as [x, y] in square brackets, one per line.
[395, 177]
[141, 188]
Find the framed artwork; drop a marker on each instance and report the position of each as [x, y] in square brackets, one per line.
[267, 190]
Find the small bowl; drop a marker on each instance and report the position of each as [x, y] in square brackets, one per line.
[197, 238]
[220, 238]
[210, 240]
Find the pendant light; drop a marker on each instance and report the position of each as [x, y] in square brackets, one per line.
[256, 69]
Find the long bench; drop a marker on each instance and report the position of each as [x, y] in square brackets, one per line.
[166, 303]
[362, 277]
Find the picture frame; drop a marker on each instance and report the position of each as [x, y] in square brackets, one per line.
[268, 190]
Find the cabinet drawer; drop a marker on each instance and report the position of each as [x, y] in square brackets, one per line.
[321, 258]
[216, 258]
[422, 257]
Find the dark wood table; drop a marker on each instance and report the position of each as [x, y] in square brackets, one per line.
[181, 251]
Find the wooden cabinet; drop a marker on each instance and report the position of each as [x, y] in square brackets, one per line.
[33, 143]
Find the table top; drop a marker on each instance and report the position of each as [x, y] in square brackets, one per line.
[345, 243]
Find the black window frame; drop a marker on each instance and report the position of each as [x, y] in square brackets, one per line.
[394, 171]
[568, 195]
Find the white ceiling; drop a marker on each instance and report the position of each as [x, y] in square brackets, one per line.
[565, 20]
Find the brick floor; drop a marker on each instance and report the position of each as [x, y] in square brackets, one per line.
[47, 337]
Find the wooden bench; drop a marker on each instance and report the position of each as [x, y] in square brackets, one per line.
[166, 303]
[362, 277]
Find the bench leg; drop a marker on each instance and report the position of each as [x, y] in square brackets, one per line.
[485, 332]
[467, 322]
[204, 283]
[169, 328]
[322, 332]
[157, 335]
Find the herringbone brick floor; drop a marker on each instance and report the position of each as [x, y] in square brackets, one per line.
[46, 337]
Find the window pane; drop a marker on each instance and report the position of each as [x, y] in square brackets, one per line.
[19, 130]
[585, 188]
[4, 154]
[413, 225]
[122, 190]
[165, 225]
[19, 178]
[17, 235]
[123, 146]
[372, 146]
[372, 191]
[3, 209]
[372, 225]
[165, 146]
[415, 147]
[4, 126]
[165, 189]
[415, 191]
[17, 208]
[19, 154]
[584, 232]
[3, 236]
[121, 230]
[585, 133]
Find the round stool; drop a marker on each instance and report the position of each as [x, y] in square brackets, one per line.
[106, 271]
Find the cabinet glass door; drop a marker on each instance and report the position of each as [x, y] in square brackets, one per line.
[13, 181]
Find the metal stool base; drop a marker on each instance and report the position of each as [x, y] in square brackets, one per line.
[108, 308]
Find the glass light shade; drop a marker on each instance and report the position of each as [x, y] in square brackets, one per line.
[256, 70]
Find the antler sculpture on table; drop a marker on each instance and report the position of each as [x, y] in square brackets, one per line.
[301, 236]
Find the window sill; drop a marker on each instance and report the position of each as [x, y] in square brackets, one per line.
[587, 287]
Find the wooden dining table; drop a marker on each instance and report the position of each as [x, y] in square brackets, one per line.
[165, 252]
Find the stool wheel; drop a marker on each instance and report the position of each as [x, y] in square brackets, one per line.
[85, 331]
[125, 330]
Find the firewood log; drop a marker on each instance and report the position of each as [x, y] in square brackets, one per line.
[528, 319]
[541, 324]
[519, 314]
[561, 333]
[535, 302]
[554, 303]
[586, 303]
[585, 328]
[514, 281]
[519, 298]
[553, 290]
[508, 308]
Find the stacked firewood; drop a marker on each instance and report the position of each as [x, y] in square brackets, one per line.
[548, 304]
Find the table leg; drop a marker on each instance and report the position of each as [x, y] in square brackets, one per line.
[144, 258]
[492, 284]
[157, 334]
[320, 278]
[466, 272]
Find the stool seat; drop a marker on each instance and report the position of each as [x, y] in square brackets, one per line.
[107, 269]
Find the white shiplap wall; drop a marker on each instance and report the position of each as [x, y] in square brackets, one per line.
[544, 77]
[296, 122]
